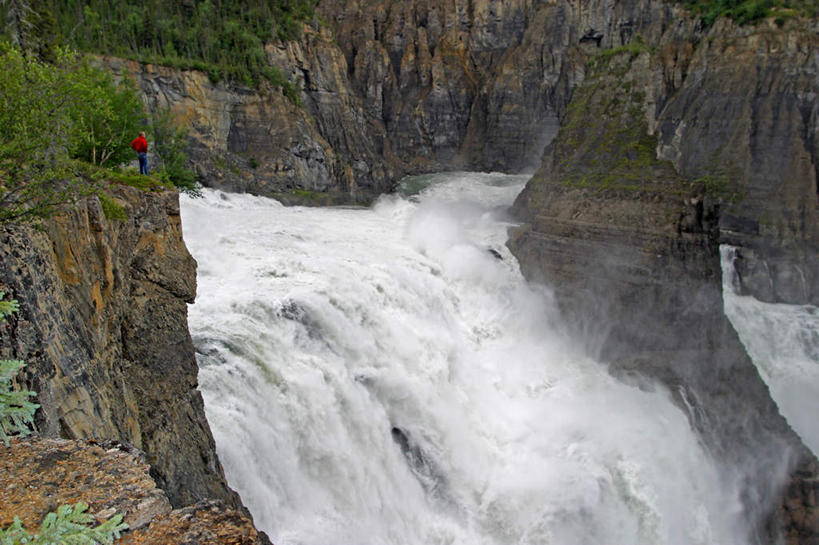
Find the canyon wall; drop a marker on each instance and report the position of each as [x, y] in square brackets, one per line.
[672, 139]
[385, 89]
[676, 143]
[102, 328]
[394, 88]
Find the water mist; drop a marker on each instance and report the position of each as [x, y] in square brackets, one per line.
[386, 376]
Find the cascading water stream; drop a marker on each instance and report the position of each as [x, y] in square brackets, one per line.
[386, 376]
[783, 342]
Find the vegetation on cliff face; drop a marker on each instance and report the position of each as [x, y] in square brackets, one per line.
[607, 133]
[605, 142]
[749, 11]
[16, 411]
[224, 39]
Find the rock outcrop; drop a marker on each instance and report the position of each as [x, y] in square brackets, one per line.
[739, 110]
[103, 330]
[256, 140]
[675, 143]
[39, 475]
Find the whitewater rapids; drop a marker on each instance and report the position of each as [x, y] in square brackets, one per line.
[386, 376]
[783, 342]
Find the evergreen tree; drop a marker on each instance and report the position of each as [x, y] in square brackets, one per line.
[16, 411]
[68, 525]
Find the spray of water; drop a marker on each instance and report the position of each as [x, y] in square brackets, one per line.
[386, 376]
[783, 342]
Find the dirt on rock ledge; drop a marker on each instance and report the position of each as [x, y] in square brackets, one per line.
[38, 475]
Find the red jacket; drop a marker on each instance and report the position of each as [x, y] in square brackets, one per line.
[140, 145]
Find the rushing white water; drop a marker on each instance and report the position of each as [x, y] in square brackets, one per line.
[783, 342]
[379, 376]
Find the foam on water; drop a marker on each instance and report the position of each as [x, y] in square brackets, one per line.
[783, 342]
[379, 376]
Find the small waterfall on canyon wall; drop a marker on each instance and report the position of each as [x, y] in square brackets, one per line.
[783, 342]
[386, 376]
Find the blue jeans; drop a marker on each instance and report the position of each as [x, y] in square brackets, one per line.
[143, 163]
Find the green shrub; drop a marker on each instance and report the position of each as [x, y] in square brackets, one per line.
[170, 142]
[111, 209]
[106, 116]
[69, 525]
[275, 77]
[16, 411]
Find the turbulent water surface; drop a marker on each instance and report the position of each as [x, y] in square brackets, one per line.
[385, 376]
[783, 342]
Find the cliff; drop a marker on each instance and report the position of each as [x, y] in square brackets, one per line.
[386, 89]
[102, 328]
[324, 150]
[675, 143]
[395, 88]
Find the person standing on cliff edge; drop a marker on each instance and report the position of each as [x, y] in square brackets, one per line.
[140, 145]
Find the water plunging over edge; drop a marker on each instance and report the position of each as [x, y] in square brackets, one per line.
[387, 376]
[783, 342]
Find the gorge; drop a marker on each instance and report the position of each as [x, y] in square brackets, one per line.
[385, 375]
[653, 146]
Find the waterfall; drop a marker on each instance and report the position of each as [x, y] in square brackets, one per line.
[386, 376]
[783, 342]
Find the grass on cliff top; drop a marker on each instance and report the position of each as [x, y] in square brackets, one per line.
[750, 11]
[94, 180]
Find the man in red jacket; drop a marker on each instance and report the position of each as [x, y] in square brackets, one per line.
[140, 145]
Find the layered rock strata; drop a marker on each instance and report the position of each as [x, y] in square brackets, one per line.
[102, 328]
[257, 141]
[391, 88]
[674, 144]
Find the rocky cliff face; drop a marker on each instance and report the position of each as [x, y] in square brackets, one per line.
[387, 89]
[257, 141]
[102, 328]
[458, 84]
[390, 88]
[674, 144]
[738, 109]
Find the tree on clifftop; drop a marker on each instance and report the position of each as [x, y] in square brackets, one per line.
[50, 113]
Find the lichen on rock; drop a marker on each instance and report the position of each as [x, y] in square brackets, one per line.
[40, 474]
